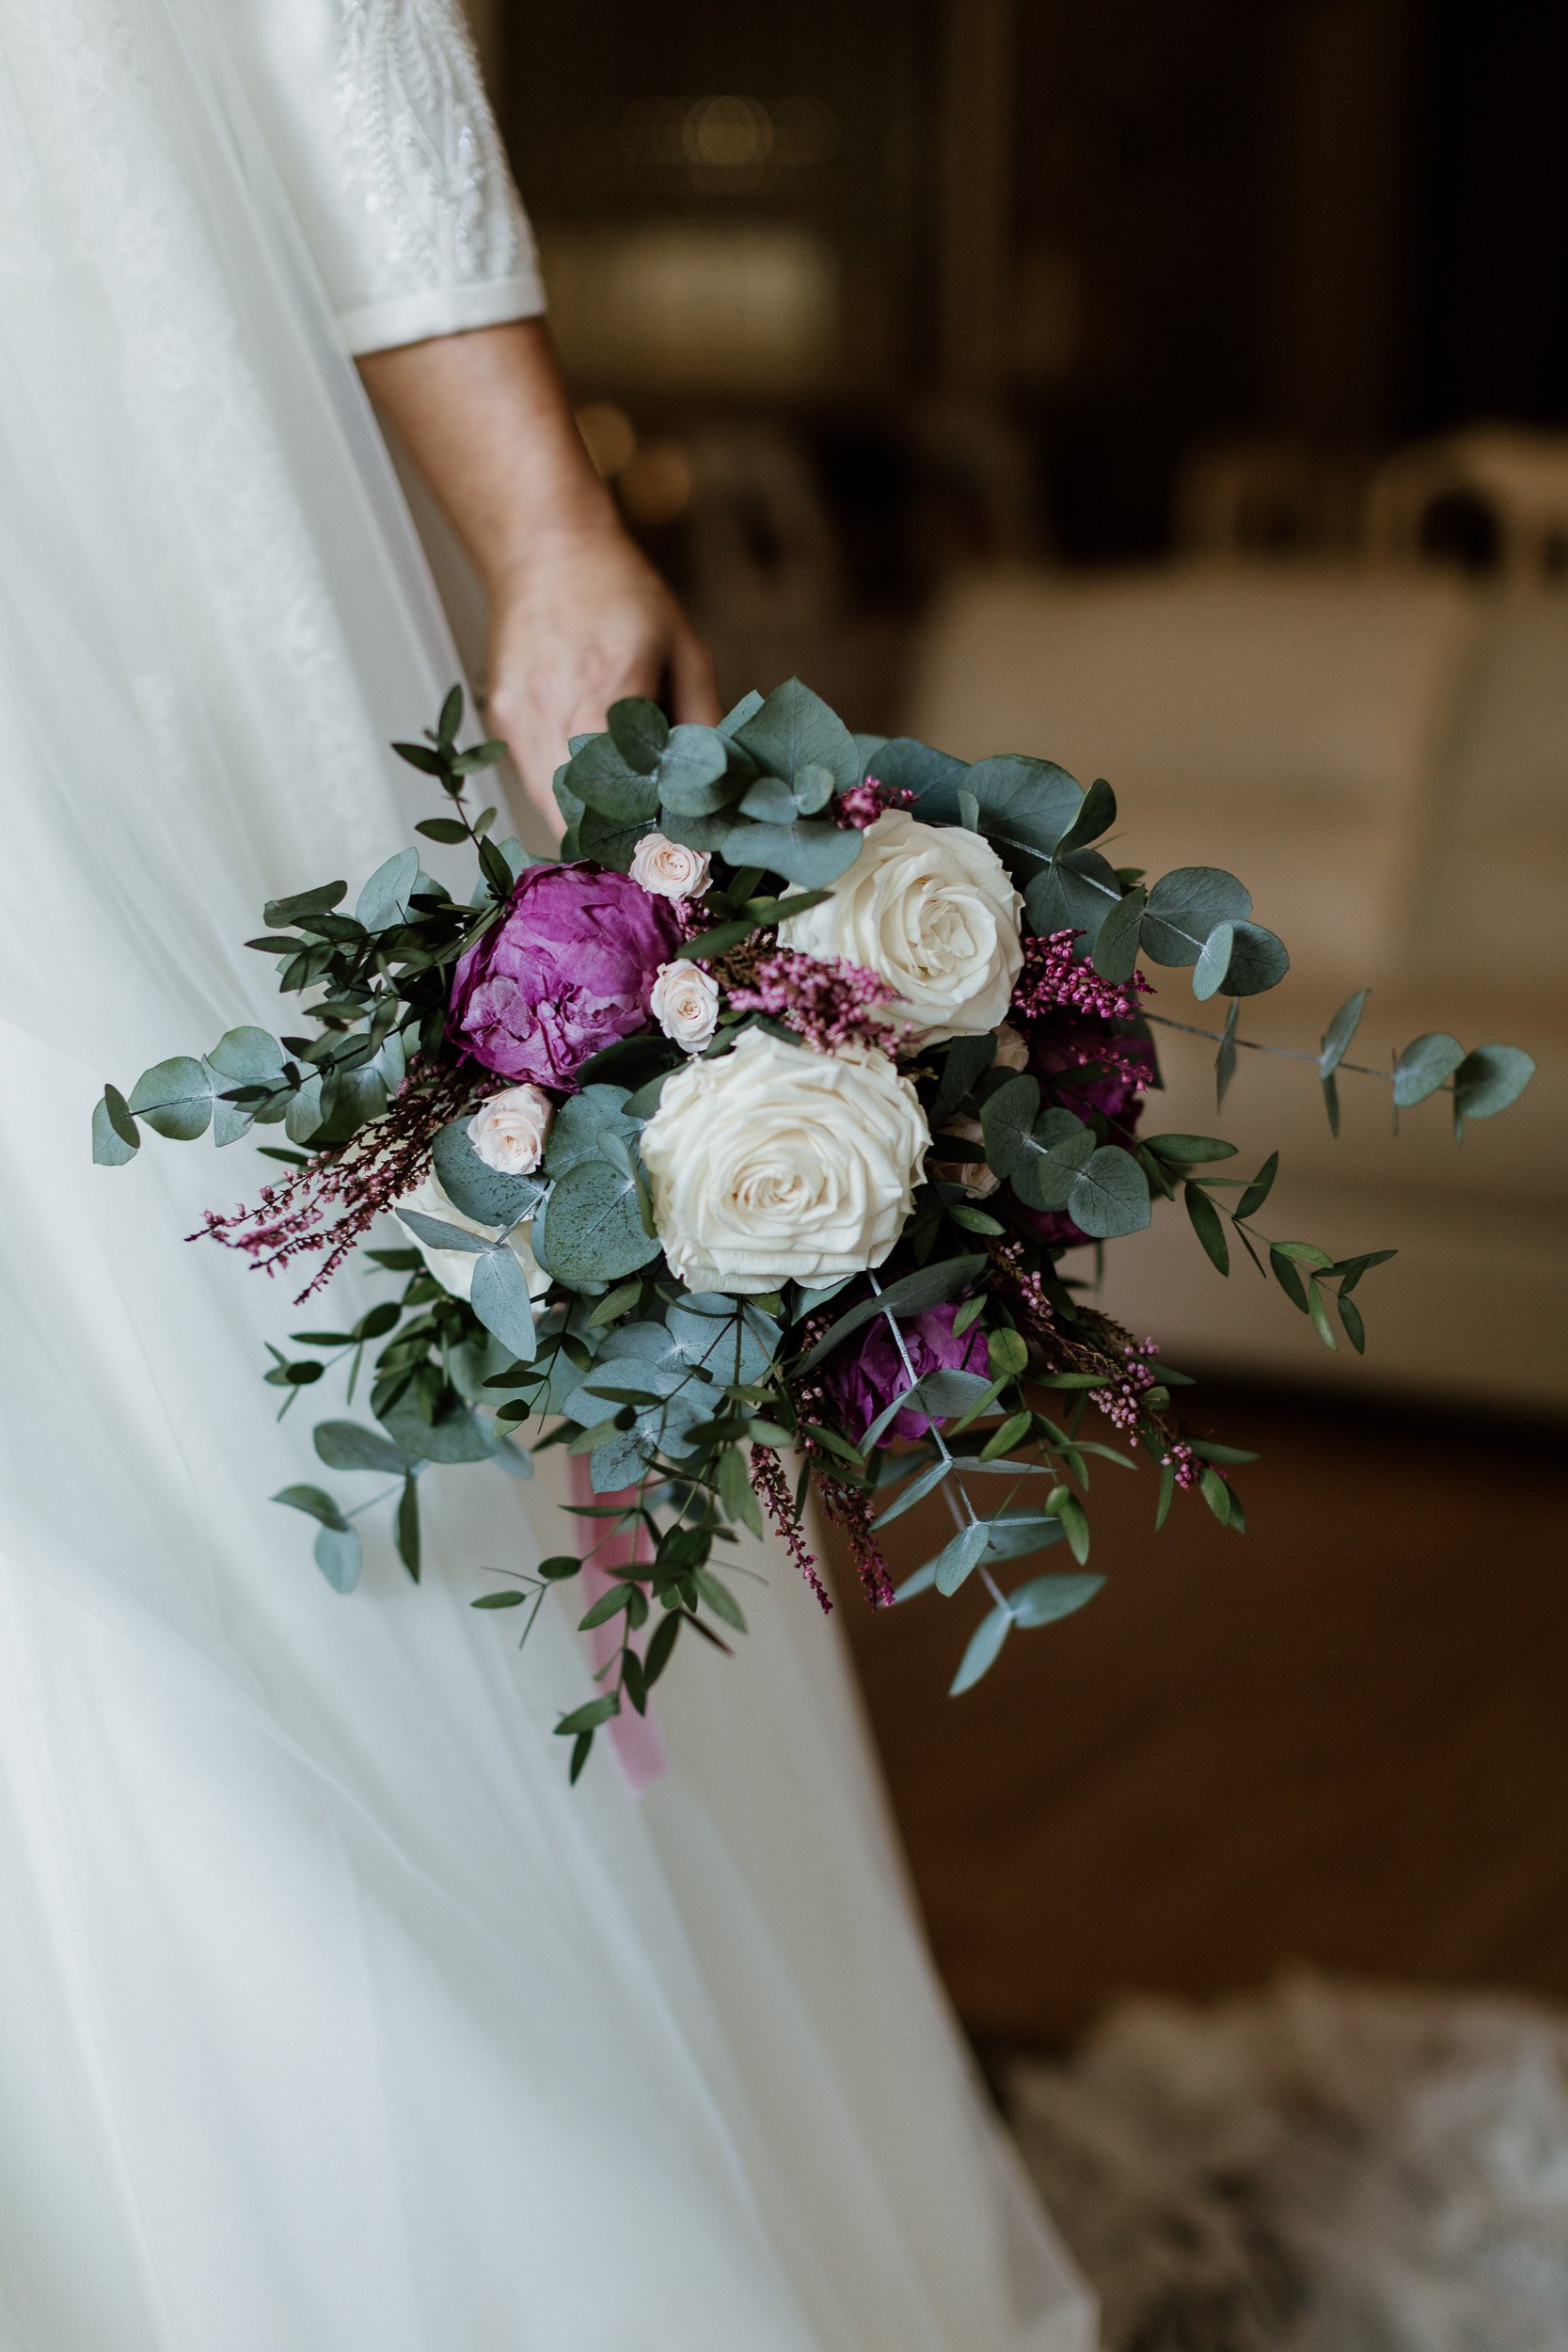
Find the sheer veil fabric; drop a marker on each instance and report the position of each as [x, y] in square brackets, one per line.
[329, 2018]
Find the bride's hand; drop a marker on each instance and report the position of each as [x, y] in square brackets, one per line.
[580, 618]
[583, 620]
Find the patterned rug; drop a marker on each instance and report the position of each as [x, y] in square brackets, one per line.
[1325, 2167]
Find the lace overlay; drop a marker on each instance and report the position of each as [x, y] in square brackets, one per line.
[421, 162]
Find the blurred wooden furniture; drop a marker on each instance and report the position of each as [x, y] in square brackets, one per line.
[1382, 755]
[1509, 481]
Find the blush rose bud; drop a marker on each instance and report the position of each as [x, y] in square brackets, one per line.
[684, 1003]
[668, 868]
[510, 1131]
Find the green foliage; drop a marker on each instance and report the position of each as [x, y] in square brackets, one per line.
[676, 1400]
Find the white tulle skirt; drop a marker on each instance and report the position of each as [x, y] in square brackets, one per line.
[329, 2018]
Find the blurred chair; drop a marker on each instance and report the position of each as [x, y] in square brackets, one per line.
[1495, 497]
[1274, 497]
[1382, 755]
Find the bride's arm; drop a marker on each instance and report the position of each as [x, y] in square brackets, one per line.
[577, 616]
[378, 123]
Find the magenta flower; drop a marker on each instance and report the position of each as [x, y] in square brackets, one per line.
[569, 968]
[867, 1373]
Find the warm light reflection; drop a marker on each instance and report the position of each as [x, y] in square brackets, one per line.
[657, 485]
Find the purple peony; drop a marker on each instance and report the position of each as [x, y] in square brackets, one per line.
[567, 969]
[867, 1373]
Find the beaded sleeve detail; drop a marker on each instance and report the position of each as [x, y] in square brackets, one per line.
[441, 236]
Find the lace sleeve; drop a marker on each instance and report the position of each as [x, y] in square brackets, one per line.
[379, 121]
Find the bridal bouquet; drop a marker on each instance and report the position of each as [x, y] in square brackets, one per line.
[740, 1150]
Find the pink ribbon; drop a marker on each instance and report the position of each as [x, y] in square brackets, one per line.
[639, 1749]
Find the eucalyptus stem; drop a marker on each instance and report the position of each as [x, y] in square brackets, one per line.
[1254, 1045]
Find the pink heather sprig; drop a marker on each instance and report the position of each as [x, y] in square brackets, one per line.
[863, 803]
[771, 1489]
[1051, 981]
[328, 1207]
[693, 916]
[1184, 1465]
[1121, 1400]
[850, 1508]
[1027, 1285]
[828, 1002]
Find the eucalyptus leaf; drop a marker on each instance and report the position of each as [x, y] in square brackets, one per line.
[499, 1298]
[175, 1098]
[485, 1193]
[745, 709]
[733, 1340]
[605, 783]
[249, 1058]
[579, 1125]
[1225, 1059]
[1116, 945]
[809, 852]
[456, 1435]
[916, 1491]
[1183, 908]
[1026, 806]
[928, 1286]
[1258, 960]
[115, 1139]
[1097, 814]
[639, 731]
[694, 771]
[967, 1062]
[958, 1559]
[383, 903]
[1490, 1078]
[590, 1229]
[1214, 962]
[1341, 1030]
[611, 841]
[346, 1445]
[813, 787]
[438, 1234]
[1073, 893]
[1110, 1195]
[1207, 1226]
[302, 1120]
[1007, 1119]
[1047, 1598]
[934, 777]
[315, 1501]
[771, 802]
[985, 1647]
[1425, 1066]
[795, 728]
[339, 1555]
[1058, 1148]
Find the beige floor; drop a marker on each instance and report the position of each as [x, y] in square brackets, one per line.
[1342, 1740]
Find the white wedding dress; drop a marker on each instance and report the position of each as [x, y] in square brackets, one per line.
[330, 2019]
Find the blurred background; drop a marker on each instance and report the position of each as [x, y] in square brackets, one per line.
[1181, 393]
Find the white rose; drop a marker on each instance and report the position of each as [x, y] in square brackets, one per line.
[977, 1178]
[931, 908]
[454, 1268]
[668, 868]
[509, 1131]
[773, 1165]
[1012, 1049]
[684, 1002]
